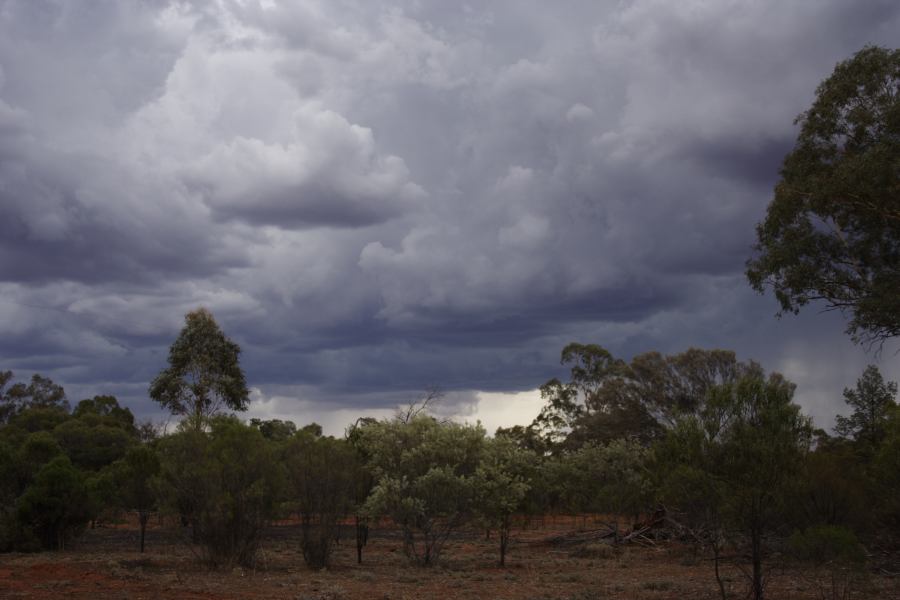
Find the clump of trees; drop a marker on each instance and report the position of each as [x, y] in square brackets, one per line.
[607, 398]
[742, 452]
[712, 447]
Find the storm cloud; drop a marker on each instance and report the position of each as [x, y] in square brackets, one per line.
[377, 197]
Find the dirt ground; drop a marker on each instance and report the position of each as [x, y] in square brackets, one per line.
[106, 564]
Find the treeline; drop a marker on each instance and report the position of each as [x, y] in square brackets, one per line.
[713, 444]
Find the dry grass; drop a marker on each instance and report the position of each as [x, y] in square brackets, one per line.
[107, 565]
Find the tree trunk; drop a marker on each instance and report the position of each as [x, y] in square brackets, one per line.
[756, 543]
[504, 541]
[362, 537]
[718, 575]
[143, 517]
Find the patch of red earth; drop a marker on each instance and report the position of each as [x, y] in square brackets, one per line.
[109, 568]
[80, 580]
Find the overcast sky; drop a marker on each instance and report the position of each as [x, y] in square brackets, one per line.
[377, 197]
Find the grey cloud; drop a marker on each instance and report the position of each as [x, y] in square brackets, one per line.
[334, 178]
[375, 197]
[79, 218]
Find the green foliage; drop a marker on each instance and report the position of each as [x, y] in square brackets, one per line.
[730, 467]
[832, 488]
[365, 481]
[105, 410]
[607, 398]
[135, 476]
[526, 437]
[610, 479]
[19, 465]
[501, 486]
[92, 447]
[225, 485]
[275, 429]
[323, 474]
[827, 544]
[25, 494]
[56, 506]
[886, 476]
[186, 481]
[313, 429]
[592, 367]
[39, 393]
[834, 550]
[7, 404]
[832, 230]
[872, 401]
[38, 449]
[501, 480]
[9, 490]
[38, 419]
[424, 478]
[203, 374]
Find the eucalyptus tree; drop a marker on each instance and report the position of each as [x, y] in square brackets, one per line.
[424, 478]
[136, 476]
[731, 466]
[502, 482]
[204, 374]
[607, 398]
[365, 481]
[872, 401]
[832, 230]
[39, 393]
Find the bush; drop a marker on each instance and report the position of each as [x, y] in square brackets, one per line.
[56, 506]
[826, 544]
[424, 473]
[224, 484]
[322, 472]
[834, 551]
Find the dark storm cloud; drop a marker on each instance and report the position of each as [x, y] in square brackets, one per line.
[80, 218]
[378, 197]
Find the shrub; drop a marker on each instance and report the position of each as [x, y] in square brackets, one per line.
[56, 506]
[830, 550]
[224, 484]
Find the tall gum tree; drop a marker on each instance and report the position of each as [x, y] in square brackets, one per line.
[832, 230]
[204, 374]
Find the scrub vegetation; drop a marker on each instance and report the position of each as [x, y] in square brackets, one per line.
[664, 476]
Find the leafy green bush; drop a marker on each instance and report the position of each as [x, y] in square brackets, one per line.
[425, 474]
[224, 484]
[824, 544]
[56, 506]
[322, 473]
[833, 552]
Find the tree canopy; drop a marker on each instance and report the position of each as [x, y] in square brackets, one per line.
[729, 467]
[832, 231]
[607, 398]
[203, 374]
[872, 401]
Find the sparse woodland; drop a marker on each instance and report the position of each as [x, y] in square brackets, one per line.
[731, 471]
[697, 450]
